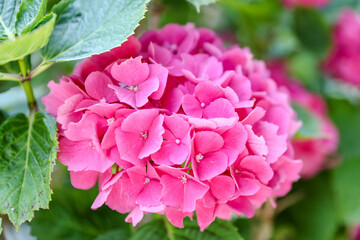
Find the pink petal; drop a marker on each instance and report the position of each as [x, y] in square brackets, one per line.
[176, 217]
[150, 195]
[222, 187]
[161, 73]
[96, 86]
[207, 141]
[146, 88]
[242, 206]
[130, 72]
[204, 215]
[206, 92]
[154, 140]
[173, 191]
[135, 216]
[259, 167]
[191, 106]
[83, 179]
[193, 190]
[211, 165]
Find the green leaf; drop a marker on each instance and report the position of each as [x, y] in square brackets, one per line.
[8, 10]
[3, 116]
[87, 27]
[27, 157]
[314, 217]
[71, 217]
[30, 14]
[199, 3]
[345, 181]
[346, 118]
[311, 30]
[0, 225]
[26, 43]
[115, 234]
[311, 127]
[161, 229]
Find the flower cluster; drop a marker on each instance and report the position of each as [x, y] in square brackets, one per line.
[344, 59]
[306, 3]
[312, 150]
[175, 124]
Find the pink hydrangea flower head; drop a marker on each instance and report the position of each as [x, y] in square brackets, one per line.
[343, 62]
[175, 124]
[312, 150]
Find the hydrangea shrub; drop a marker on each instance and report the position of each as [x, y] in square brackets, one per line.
[174, 123]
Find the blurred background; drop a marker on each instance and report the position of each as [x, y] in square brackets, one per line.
[325, 206]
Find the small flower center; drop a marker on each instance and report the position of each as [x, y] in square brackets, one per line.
[103, 100]
[183, 179]
[133, 88]
[147, 180]
[199, 157]
[92, 145]
[144, 135]
[110, 121]
[177, 141]
[202, 105]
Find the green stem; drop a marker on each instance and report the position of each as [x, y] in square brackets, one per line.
[25, 83]
[39, 69]
[9, 77]
[169, 228]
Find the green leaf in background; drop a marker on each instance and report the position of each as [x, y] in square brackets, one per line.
[0, 225]
[27, 43]
[347, 119]
[3, 116]
[70, 216]
[345, 181]
[87, 27]
[161, 229]
[30, 14]
[311, 30]
[314, 217]
[8, 10]
[311, 127]
[27, 157]
[199, 3]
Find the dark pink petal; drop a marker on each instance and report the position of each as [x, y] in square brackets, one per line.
[83, 179]
[192, 106]
[206, 92]
[161, 73]
[234, 141]
[130, 72]
[242, 206]
[154, 139]
[80, 156]
[129, 145]
[222, 187]
[173, 191]
[96, 85]
[211, 165]
[276, 144]
[193, 190]
[146, 88]
[139, 121]
[135, 216]
[207, 141]
[259, 167]
[150, 195]
[176, 216]
[204, 215]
